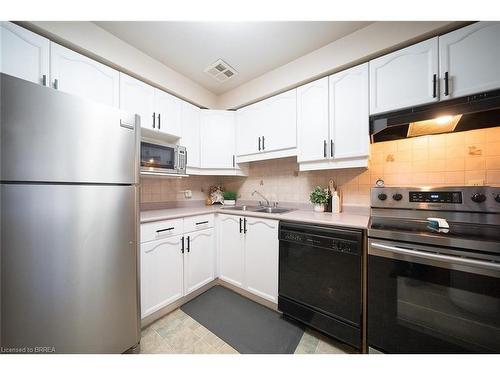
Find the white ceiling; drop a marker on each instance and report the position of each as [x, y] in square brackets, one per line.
[252, 48]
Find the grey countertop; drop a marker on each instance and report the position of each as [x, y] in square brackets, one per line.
[343, 219]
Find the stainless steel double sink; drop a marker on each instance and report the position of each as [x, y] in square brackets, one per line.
[269, 210]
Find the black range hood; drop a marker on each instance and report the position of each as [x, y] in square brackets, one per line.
[478, 111]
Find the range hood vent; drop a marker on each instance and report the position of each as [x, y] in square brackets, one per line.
[467, 113]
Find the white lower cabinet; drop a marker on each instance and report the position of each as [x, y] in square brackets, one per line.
[231, 249]
[178, 263]
[199, 263]
[261, 258]
[161, 273]
[248, 254]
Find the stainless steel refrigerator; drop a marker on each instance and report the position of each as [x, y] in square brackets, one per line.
[69, 223]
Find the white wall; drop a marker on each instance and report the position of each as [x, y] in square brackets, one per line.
[97, 43]
[372, 40]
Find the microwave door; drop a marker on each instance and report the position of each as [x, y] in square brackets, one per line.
[157, 157]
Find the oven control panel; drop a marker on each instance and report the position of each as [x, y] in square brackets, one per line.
[436, 196]
[458, 198]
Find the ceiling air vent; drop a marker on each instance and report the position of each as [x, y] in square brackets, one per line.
[221, 71]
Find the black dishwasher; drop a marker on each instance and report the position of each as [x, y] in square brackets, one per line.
[320, 278]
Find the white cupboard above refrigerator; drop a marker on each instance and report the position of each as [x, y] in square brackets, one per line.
[24, 54]
[79, 75]
[137, 97]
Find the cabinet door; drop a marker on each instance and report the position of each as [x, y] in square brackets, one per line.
[78, 75]
[312, 120]
[168, 109]
[217, 139]
[349, 113]
[23, 54]
[404, 78]
[199, 261]
[161, 274]
[231, 250]
[191, 133]
[470, 56]
[280, 122]
[137, 97]
[249, 121]
[261, 258]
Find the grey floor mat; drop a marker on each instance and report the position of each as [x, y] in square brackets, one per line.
[245, 325]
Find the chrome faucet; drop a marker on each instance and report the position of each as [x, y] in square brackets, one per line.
[268, 204]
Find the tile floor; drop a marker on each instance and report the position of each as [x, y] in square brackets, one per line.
[178, 333]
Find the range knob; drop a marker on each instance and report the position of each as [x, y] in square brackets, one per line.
[397, 197]
[478, 197]
[382, 196]
[497, 198]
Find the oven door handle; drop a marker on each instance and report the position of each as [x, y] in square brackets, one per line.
[440, 260]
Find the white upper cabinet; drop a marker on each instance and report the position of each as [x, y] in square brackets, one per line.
[249, 129]
[261, 258]
[168, 110]
[231, 249]
[161, 273]
[469, 58]
[78, 75]
[349, 113]
[279, 124]
[217, 141]
[24, 54]
[268, 128]
[405, 78]
[191, 133]
[137, 97]
[199, 260]
[312, 121]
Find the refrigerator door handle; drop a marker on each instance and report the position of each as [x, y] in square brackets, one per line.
[127, 125]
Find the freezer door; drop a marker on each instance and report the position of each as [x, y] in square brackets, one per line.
[69, 268]
[47, 135]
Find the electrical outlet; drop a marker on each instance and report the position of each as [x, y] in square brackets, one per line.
[478, 182]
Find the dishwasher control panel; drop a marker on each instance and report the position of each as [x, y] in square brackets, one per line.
[332, 241]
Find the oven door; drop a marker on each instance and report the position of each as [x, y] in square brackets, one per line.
[431, 300]
[158, 158]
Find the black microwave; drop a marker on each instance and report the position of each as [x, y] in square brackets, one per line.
[162, 159]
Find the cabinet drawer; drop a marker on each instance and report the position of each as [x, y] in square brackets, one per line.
[193, 223]
[160, 229]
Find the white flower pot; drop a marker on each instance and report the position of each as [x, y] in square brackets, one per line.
[319, 208]
[228, 202]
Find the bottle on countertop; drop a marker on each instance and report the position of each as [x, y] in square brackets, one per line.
[336, 206]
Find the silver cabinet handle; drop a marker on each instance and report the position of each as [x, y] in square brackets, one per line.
[44, 80]
[416, 254]
[56, 84]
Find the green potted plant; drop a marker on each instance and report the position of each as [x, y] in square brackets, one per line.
[319, 198]
[229, 198]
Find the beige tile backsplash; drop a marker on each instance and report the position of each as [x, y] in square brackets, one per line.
[446, 159]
